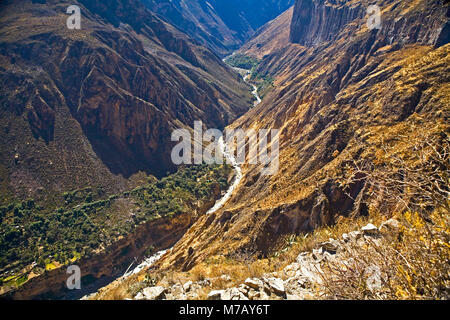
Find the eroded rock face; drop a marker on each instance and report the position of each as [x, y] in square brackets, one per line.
[115, 90]
[317, 21]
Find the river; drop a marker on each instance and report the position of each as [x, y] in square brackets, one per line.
[219, 203]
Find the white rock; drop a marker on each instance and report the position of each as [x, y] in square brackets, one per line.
[355, 235]
[304, 258]
[139, 296]
[187, 286]
[243, 288]
[254, 283]
[373, 280]
[276, 285]
[346, 237]
[225, 277]
[261, 296]
[390, 226]
[204, 283]
[216, 295]
[331, 246]
[312, 273]
[154, 293]
[292, 267]
[252, 294]
[232, 294]
[370, 230]
[318, 254]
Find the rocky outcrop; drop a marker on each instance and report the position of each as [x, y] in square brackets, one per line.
[304, 279]
[300, 280]
[152, 293]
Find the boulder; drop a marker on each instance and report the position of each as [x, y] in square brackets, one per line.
[139, 296]
[346, 237]
[253, 294]
[187, 286]
[216, 295]
[373, 281]
[254, 283]
[370, 230]
[355, 235]
[291, 270]
[243, 288]
[154, 293]
[305, 258]
[276, 286]
[261, 295]
[331, 246]
[391, 226]
[233, 294]
[317, 254]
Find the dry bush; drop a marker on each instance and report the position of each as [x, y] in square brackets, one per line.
[416, 178]
[414, 264]
[289, 248]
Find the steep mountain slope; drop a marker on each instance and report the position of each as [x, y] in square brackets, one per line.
[223, 25]
[97, 105]
[271, 37]
[341, 97]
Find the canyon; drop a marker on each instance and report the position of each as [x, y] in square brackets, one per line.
[350, 102]
[329, 99]
[341, 93]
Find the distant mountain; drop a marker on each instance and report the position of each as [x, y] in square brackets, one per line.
[338, 94]
[273, 36]
[223, 25]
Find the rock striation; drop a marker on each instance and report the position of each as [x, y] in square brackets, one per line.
[100, 103]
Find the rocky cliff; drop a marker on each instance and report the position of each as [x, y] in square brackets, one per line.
[317, 21]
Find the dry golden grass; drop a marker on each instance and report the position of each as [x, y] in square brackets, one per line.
[239, 267]
[413, 264]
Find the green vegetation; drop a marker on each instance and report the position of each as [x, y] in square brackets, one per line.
[89, 220]
[263, 83]
[242, 61]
